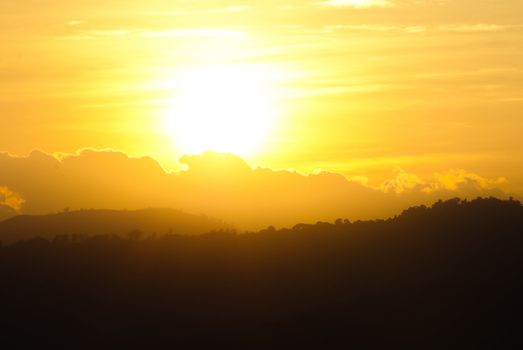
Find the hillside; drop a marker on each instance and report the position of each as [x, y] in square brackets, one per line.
[137, 223]
[444, 277]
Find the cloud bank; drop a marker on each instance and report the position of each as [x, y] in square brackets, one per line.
[219, 185]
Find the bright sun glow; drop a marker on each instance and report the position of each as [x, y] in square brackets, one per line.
[227, 108]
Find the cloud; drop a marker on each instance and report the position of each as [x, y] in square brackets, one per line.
[402, 182]
[10, 199]
[480, 27]
[74, 23]
[454, 180]
[96, 33]
[220, 185]
[417, 29]
[194, 32]
[357, 3]
[236, 8]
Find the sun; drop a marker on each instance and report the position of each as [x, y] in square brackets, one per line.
[223, 108]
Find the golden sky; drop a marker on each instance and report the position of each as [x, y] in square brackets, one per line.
[358, 87]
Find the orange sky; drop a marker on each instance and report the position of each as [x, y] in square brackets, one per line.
[357, 87]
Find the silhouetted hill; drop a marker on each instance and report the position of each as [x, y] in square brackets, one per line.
[106, 222]
[445, 277]
[6, 212]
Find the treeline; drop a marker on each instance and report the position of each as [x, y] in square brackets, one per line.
[447, 276]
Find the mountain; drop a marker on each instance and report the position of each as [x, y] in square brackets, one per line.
[107, 222]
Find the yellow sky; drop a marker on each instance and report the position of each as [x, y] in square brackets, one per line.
[360, 87]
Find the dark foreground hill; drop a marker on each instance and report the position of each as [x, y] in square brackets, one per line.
[92, 222]
[446, 277]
